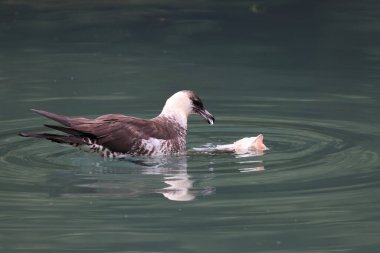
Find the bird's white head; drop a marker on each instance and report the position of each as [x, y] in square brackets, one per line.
[182, 104]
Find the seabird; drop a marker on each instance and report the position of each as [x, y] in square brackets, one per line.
[118, 136]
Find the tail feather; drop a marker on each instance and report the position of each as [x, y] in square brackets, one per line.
[74, 137]
[59, 118]
[70, 131]
[66, 121]
[64, 139]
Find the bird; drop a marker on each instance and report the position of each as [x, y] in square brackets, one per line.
[120, 136]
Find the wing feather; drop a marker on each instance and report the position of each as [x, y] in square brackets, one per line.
[117, 132]
[121, 134]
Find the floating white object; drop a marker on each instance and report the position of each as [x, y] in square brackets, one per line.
[246, 144]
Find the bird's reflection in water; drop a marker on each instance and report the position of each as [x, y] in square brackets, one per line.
[129, 179]
[179, 189]
[134, 178]
[174, 172]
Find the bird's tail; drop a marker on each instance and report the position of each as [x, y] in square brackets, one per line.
[63, 139]
[74, 137]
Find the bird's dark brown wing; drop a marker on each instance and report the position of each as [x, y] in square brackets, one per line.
[121, 133]
[117, 132]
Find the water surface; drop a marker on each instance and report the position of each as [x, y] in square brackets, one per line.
[305, 75]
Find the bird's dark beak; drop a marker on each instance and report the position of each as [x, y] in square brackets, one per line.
[207, 116]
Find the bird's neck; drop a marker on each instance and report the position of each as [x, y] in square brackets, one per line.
[175, 115]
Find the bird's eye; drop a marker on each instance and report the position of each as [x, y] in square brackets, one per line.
[197, 103]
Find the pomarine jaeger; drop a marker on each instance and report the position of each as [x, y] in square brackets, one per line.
[118, 136]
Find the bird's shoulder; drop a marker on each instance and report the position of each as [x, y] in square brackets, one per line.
[123, 126]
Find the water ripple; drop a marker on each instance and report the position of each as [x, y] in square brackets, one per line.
[303, 155]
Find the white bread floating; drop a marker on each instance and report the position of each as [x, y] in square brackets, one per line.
[245, 145]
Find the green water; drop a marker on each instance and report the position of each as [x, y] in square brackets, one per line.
[305, 74]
